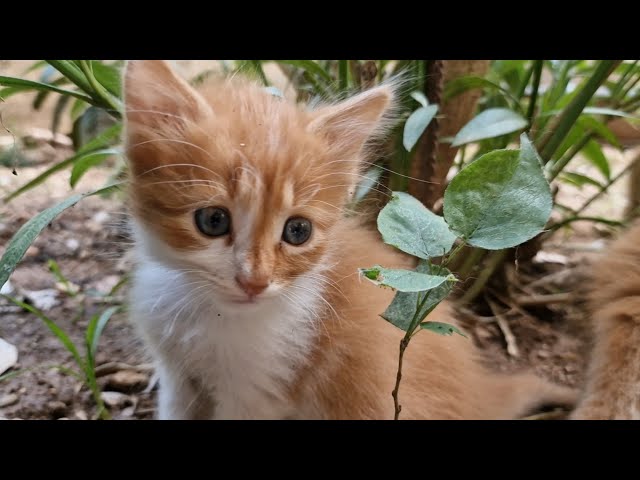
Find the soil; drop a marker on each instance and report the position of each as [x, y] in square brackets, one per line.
[89, 244]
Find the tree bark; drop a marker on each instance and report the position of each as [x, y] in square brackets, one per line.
[433, 160]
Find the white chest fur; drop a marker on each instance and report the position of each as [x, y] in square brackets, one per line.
[243, 358]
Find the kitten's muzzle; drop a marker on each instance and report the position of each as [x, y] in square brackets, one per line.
[252, 286]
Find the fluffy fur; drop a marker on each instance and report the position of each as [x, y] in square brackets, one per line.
[312, 345]
[612, 391]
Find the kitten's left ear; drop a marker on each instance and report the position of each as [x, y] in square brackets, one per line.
[348, 125]
[152, 88]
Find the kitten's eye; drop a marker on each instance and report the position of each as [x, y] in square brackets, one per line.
[213, 221]
[297, 230]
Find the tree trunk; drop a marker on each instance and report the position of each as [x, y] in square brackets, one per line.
[433, 160]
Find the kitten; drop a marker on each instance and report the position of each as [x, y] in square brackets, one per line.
[246, 289]
[612, 389]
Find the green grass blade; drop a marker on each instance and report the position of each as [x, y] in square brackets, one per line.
[309, 66]
[109, 102]
[95, 328]
[101, 141]
[460, 85]
[32, 85]
[88, 160]
[557, 132]
[57, 331]
[343, 75]
[70, 70]
[26, 235]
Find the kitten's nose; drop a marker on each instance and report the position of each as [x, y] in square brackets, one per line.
[252, 286]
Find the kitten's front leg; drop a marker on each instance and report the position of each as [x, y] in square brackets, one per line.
[181, 398]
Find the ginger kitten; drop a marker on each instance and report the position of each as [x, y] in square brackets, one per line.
[612, 390]
[246, 289]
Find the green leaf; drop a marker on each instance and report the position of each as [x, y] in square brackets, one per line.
[501, 200]
[579, 180]
[489, 124]
[25, 236]
[95, 328]
[574, 135]
[343, 75]
[78, 108]
[88, 160]
[58, 111]
[57, 331]
[402, 309]
[70, 70]
[461, 84]
[55, 269]
[419, 97]
[309, 66]
[408, 225]
[108, 76]
[254, 68]
[587, 122]
[594, 154]
[43, 94]
[274, 91]
[104, 139]
[610, 112]
[31, 85]
[441, 328]
[416, 125]
[403, 280]
[369, 181]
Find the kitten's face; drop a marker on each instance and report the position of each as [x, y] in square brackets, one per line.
[237, 186]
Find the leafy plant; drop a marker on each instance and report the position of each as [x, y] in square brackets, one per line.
[86, 364]
[499, 201]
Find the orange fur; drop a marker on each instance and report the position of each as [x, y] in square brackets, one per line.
[234, 145]
[612, 390]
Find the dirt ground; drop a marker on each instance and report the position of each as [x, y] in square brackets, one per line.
[89, 243]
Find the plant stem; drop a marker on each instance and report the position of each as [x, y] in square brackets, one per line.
[617, 94]
[257, 66]
[474, 257]
[404, 343]
[578, 218]
[523, 86]
[559, 130]
[537, 73]
[343, 72]
[631, 85]
[495, 260]
[97, 87]
[605, 187]
[415, 321]
[355, 70]
[558, 166]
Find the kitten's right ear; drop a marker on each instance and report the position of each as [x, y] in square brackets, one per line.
[155, 94]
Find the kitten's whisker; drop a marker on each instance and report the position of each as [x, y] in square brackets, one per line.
[167, 114]
[317, 295]
[171, 165]
[326, 281]
[171, 140]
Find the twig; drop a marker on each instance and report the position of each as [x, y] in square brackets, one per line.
[113, 367]
[15, 156]
[533, 300]
[512, 347]
[556, 414]
[398, 408]
[495, 260]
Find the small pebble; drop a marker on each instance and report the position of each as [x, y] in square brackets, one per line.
[8, 399]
